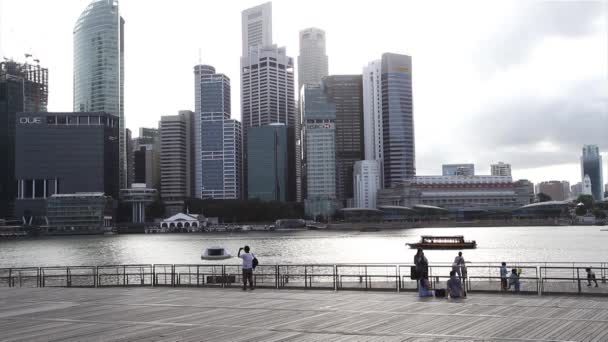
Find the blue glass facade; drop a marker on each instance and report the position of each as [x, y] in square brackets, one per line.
[397, 118]
[217, 138]
[99, 67]
[591, 165]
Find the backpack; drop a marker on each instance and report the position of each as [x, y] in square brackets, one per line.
[254, 262]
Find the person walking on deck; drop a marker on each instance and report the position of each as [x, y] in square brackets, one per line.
[458, 265]
[247, 267]
[421, 263]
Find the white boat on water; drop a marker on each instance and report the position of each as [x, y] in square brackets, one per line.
[215, 253]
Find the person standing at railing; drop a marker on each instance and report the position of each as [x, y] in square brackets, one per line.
[247, 267]
[459, 265]
[504, 274]
[590, 276]
[421, 263]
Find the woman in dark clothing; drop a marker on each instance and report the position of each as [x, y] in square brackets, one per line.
[422, 264]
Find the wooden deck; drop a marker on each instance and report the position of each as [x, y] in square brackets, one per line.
[204, 314]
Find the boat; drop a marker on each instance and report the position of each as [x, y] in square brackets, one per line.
[215, 253]
[443, 242]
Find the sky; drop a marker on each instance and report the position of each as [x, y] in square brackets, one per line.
[524, 82]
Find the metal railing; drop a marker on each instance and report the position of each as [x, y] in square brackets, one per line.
[542, 278]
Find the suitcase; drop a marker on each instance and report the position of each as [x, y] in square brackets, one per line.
[413, 275]
[440, 293]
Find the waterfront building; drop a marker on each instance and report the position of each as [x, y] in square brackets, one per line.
[176, 160]
[79, 213]
[267, 84]
[218, 138]
[319, 137]
[312, 61]
[367, 176]
[345, 92]
[139, 196]
[458, 170]
[64, 153]
[146, 158]
[591, 165]
[500, 169]
[270, 174]
[557, 190]
[23, 88]
[462, 196]
[99, 68]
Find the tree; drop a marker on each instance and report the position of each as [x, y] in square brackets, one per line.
[586, 200]
[543, 197]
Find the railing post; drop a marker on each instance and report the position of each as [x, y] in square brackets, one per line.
[172, 275]
[223, 276]
[277, 276]
[579, 280]
[539, 280]
[95, 276]
[398, 274]
[68, 281]
[10, 277]
[198, 267]
[335, 278]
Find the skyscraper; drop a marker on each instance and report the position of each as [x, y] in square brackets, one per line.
[99, 67]
[591, 165]
[176, 159]
[256, 27]
[345, 92]
[23, 88]
[218, 138]
[269, 146]
[319, 136]
[398, 156]
[372, 110]
[500, 169]
[367, 183]
[267, 82]
[312, 62]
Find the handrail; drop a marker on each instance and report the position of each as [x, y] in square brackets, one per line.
[541, 278]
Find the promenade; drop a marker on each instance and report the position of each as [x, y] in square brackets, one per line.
[211, 314]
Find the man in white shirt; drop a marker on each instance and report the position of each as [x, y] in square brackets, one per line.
[247, 267]
[458, 265]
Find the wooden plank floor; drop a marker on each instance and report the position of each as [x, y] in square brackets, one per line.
[168, 314]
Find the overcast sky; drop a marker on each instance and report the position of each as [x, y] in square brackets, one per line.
[519, 82]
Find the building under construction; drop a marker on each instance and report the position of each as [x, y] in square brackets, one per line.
[23, 88]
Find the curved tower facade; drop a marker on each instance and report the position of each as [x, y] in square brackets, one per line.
[99, 67]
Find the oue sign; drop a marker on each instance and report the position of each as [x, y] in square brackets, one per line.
[25, 121]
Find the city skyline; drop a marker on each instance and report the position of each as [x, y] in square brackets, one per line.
[486, 86]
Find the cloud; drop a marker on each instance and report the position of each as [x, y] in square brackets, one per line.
[527, 25]
[533, 131]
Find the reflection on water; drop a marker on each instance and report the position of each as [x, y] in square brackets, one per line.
[582, 244]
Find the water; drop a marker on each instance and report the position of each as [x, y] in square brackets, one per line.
[538, 244]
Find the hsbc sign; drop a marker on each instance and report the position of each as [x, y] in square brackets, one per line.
[29, 120]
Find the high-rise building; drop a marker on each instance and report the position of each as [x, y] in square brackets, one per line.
[399, 160]
[64, 153]
[312, 62]
[458, 170]
[500, 169]
[146, 158]
[319, 136]
[130, 162]
[367, 183]
[176, 160]
[558, 191]
[218, 138]
[23, 88]
[256, 27]
[270, 174]
[576, 190]
[372, 111]
[99, 67]
[591, 165]
[345, 92]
